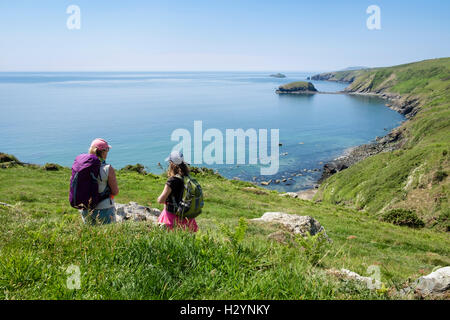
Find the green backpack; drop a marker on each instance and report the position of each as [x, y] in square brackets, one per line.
[191, 203]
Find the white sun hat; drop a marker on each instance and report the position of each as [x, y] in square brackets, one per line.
[176, 157]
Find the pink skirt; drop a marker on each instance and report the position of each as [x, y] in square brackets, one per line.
[170, 220]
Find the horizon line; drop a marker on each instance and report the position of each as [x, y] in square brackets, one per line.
[242, 70]
[212, 70]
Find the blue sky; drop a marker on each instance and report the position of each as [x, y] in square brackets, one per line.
[219, 35]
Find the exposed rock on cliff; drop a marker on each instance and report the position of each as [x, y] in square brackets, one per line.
[136, 212]
[293, 223]
[7, 160]
[435, 283]
[368, 282]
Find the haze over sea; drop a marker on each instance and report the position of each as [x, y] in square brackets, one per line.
[53, 117]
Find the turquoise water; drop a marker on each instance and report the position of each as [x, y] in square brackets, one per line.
[52, 117]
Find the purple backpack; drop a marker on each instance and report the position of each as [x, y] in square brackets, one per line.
[83, 183]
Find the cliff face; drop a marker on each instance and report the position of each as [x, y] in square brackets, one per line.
[409, 168]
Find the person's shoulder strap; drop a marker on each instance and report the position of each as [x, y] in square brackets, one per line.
[106, 168]
[178, 176]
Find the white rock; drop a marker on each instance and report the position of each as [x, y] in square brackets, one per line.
[289, 194]
[435, 282]
[367, 281]
[5, 204]
[136, 212]
[294, 223]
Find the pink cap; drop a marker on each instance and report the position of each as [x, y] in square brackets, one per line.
[100, 144]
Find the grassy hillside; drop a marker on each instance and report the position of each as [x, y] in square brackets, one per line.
[416, 176]
[41, 236]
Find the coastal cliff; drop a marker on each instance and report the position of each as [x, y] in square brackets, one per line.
[409, 167]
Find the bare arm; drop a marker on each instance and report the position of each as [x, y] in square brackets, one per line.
[112, 182]
[166, 192]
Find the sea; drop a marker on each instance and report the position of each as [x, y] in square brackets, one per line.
[51, 117]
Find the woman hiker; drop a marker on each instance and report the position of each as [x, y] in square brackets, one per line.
[105, 211]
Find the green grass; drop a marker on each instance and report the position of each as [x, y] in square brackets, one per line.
[229, 258]
[405, 178]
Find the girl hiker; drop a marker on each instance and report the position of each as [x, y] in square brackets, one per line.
[172, 194]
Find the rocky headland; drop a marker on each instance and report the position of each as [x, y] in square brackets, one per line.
[298, 87]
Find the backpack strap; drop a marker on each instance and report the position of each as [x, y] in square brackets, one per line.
[172, 197]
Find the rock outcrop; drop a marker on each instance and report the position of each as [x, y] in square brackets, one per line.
[6, 204]
[135, 212]
[307, 194]
[436, 282]
[7, 160]
[289, 194]
[293, 223]
[367, 282]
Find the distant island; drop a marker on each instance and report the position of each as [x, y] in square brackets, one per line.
[278, 75]
[298, 87]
